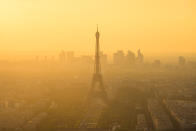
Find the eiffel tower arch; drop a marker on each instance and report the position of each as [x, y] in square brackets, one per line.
[97, 90]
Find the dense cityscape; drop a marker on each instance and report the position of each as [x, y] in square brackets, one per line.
[97, 65]
[50, 94]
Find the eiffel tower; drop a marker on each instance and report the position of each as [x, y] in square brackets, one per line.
[97, 90]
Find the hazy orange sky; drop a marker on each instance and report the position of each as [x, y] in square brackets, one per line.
[155, 26]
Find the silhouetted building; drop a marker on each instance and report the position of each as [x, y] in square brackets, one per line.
[181, 60]
[130, 57]
[140, 57]
[157, 63]
[62, 56]
[119, 57]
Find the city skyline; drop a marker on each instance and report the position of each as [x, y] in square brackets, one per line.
[134, 71]
[30, 27]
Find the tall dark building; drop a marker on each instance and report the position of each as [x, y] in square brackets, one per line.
[140, 57]
[97, 90]
[119, 58]
[181, 60]
[130, 57]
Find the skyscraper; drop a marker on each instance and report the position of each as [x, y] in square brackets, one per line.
[140, 57]
[119, 58]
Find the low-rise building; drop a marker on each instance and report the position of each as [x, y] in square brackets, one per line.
[160, 119]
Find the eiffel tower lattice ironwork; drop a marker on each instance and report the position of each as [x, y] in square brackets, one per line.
[97, 89]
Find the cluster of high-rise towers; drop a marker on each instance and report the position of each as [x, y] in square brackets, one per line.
[119, 57]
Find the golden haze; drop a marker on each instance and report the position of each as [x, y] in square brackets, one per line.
[31, 27]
